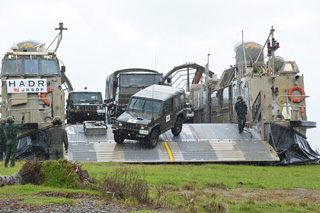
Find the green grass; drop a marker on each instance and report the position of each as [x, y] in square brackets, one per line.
[199, 187]
[48, 200]
[202, 175]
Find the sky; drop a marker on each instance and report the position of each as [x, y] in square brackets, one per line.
[107, 35]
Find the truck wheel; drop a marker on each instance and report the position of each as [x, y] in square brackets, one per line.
[117, 138]
[153, 138]
[177, 126]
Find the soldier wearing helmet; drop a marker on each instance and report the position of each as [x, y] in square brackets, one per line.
[241, 109]
[11, 131]
[57, 137]
[3, 138]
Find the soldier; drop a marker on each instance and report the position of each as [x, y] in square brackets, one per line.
[57, 136]
[3, 138]
[11, 131]
[241, 109]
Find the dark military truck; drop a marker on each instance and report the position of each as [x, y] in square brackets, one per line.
[122, 84]
[85, 106]
[151, 112]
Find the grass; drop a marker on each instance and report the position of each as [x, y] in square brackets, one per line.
[199, 187]
[229, 176]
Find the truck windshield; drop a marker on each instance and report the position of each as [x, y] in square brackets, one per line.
[139, 80]
[28, 66]
[138, 104]
[81, 97]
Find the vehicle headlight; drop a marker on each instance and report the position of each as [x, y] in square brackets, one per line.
[120, 124]
[144, 127]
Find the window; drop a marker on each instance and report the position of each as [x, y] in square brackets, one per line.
[30, 66]
[86, 97]
[167, 106]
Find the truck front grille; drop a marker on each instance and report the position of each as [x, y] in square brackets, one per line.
[88, 107]
[131, 126]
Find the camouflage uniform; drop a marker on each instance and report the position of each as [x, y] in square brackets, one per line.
[241, 109]
[3, 139]
[11, 131]
[57, 136]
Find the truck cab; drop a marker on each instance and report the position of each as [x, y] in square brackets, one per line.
[151, 112]
[85, 106]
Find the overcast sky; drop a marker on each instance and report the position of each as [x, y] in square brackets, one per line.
[104, 36]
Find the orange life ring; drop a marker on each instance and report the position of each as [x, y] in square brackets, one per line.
[296, 100]
[44, 95]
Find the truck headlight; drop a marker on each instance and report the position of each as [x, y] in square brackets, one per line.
[120, 124]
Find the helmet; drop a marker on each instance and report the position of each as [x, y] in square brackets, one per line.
[56, 120]
[3, 121]
[240, 97]
[10, 120]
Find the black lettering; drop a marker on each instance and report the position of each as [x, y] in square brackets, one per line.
[40, 83]
[31, 83]
[12, 83]
[27, 89]
[21, 84]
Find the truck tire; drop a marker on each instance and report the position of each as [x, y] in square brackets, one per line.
[117, 138]
[177, 126]
[153, 138]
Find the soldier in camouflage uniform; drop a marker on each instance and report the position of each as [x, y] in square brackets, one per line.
[57, 136]
[241, 109]
[3, 138]
[11, 131]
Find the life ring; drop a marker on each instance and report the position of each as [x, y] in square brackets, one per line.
[44, 95]
[296, 100]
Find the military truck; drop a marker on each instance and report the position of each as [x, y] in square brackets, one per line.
[122, 84]
[33, 88]
[151, 112]
[85, 106]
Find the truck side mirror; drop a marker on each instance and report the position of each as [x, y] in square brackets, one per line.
[63, 69]
[169, 80]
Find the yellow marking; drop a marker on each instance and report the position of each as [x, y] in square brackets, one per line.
[251, 46]
[169, 151]
[26, 45]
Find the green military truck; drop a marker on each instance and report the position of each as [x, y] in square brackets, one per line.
[151, 112]
[122, 84]
[85, 106]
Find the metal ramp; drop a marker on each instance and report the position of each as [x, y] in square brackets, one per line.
[196, 143]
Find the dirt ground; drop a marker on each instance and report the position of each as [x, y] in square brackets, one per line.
[90, 203]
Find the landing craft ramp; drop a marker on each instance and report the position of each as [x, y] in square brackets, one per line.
[196, 143]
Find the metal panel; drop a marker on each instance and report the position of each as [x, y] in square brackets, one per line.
[196, 143]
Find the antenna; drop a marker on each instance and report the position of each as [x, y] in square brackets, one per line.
[59, 36]
[155, 59]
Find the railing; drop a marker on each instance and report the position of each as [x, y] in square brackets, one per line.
[256, 108]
